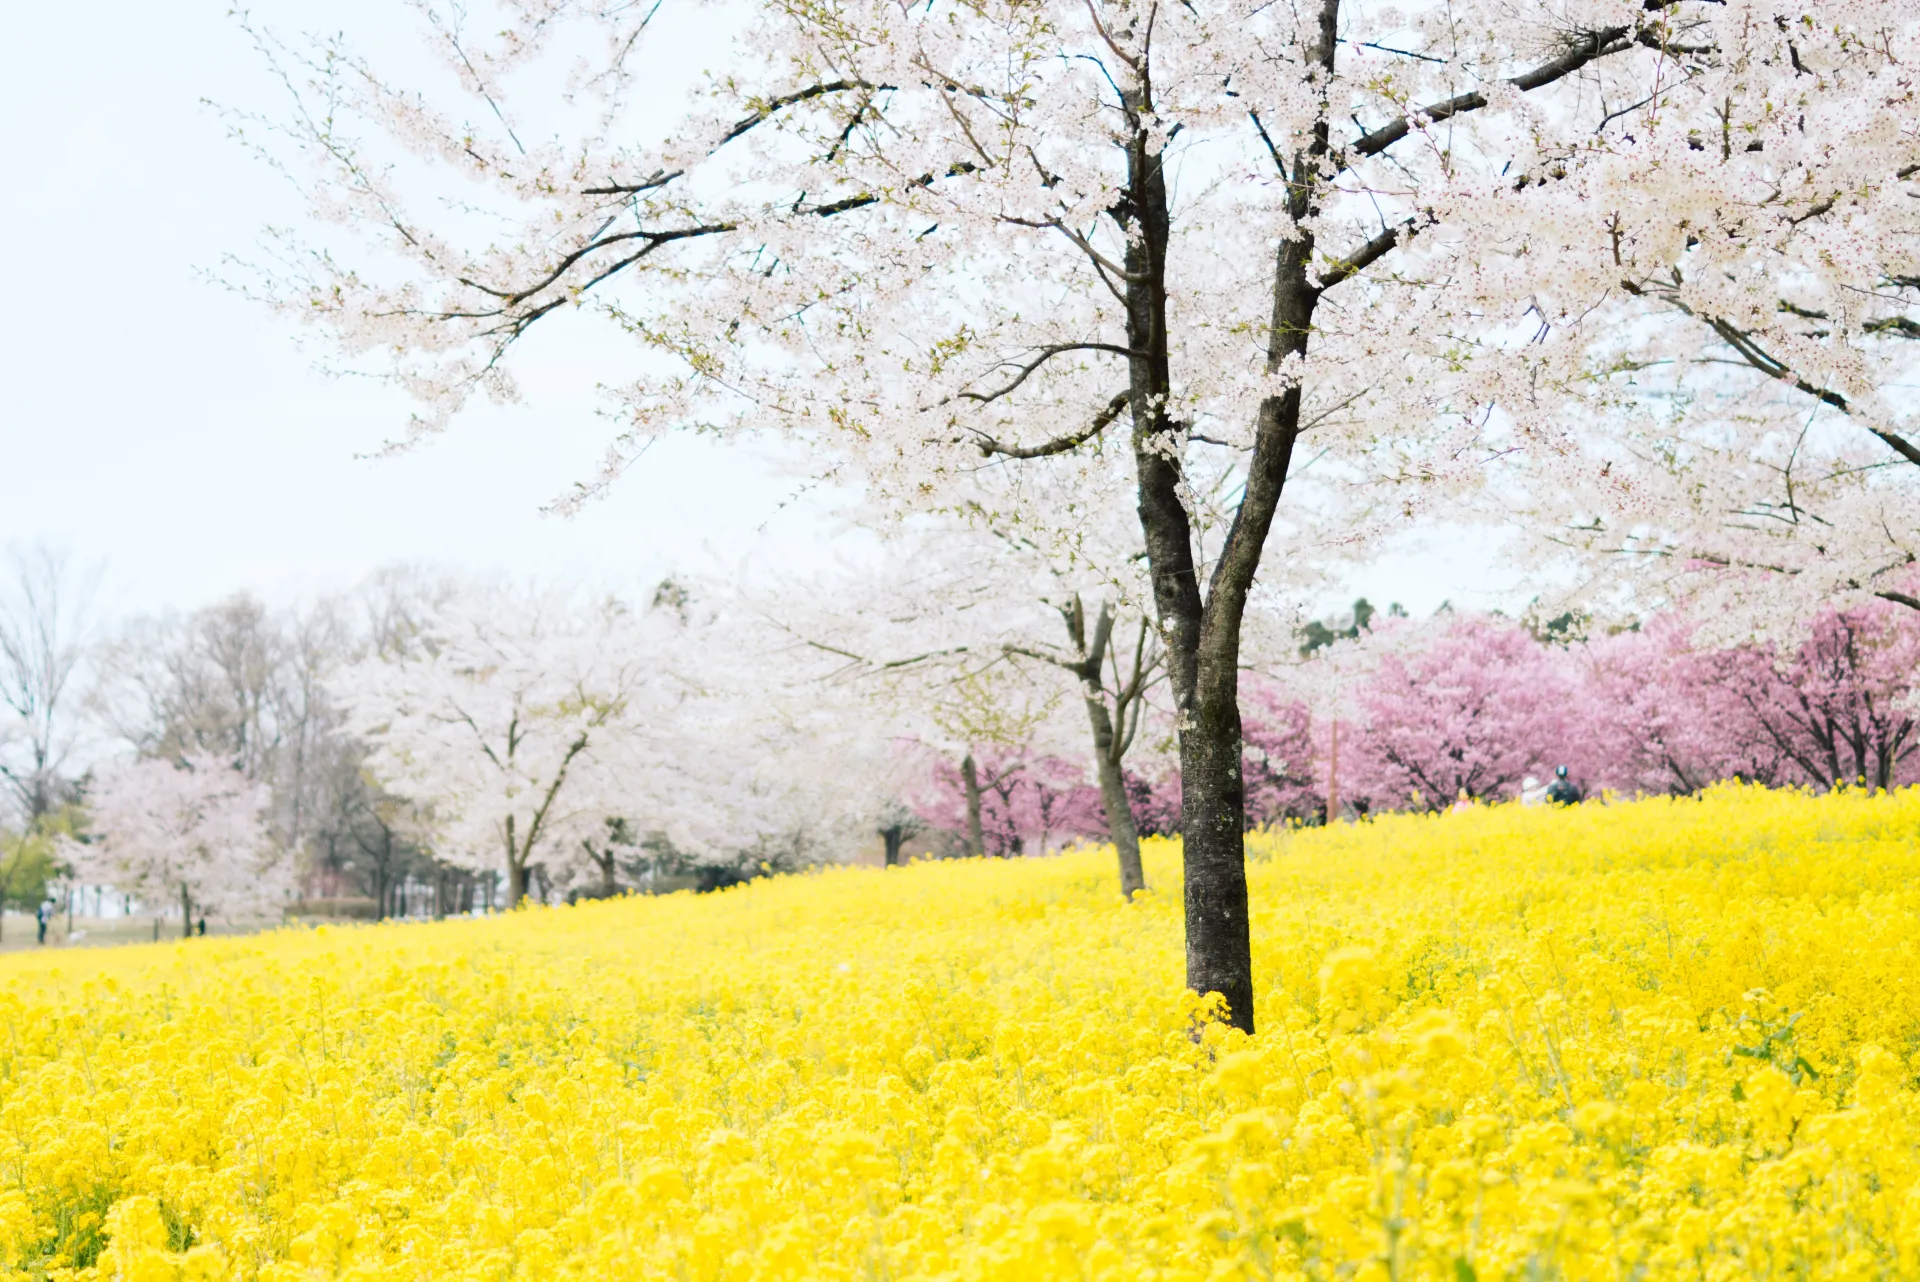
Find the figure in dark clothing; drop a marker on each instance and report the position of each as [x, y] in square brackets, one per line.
[1562, 792]
[44, 916]
[203, 927]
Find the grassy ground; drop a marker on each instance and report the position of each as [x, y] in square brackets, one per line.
[19, 934]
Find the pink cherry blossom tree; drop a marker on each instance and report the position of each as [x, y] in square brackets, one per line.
[1028, 804]
[1475, 707]
[1662, 712]
[1839, 710]
[1280, 758]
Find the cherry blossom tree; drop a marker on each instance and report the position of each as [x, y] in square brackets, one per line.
[1151, 245]
[1840, 708]
[929, 629]
[194, 830]
[1028, 803]
[1475, 707]
[1760, 460]
[1477, 702]
[1660, 711]
[1281, 757]
[1114, 679]
[503, 719]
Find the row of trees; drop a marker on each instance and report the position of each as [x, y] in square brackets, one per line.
[489, 743]
[1405, 715]
[482, 740]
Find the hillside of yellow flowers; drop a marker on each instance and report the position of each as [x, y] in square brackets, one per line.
[1658, 1039]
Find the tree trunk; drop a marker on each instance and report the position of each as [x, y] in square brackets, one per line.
[970, 776]
[1213, 833]
[186, 912]
[516, 870]
[895, 836]
[608, 882]
[1203, 637]
[1333, 773]
[1219, 954]
[1113, 796]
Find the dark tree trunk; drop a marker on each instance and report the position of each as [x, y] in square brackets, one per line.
[186, 912]
[1203, 637]
[895, 836]
[970, 776]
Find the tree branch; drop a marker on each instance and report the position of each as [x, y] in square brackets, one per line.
[1046, 354]
[1587, 48]
[746, 124]
[1365, 256]
[1060, 444]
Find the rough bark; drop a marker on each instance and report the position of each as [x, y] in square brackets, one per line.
[1203, 637]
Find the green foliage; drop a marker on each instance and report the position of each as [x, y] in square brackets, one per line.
[1317, 635]
[26, 866]
[30, 860]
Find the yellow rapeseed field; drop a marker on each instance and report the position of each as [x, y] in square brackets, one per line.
[1664, 1039]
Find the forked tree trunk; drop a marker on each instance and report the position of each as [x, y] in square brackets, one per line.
[970, 776]
[1202, 635]
[1090, 654]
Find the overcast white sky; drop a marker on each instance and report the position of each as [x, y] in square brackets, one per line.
[154, 421]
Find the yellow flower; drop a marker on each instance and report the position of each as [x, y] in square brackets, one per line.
[1659, 1039]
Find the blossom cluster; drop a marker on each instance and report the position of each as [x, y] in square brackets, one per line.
[1656, 1039]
